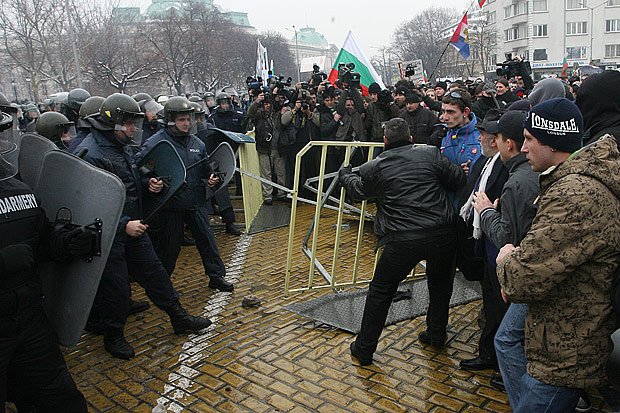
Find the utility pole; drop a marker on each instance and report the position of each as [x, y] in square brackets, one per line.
[297, 53]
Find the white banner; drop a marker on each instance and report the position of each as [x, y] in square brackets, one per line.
[307, 63]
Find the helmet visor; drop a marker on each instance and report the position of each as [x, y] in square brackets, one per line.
[8, 149]
[184, 123]
[130, 131]
[67, 133]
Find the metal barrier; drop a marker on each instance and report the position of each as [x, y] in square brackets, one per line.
[333, 277]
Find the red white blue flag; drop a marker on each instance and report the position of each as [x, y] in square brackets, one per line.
[460, 39]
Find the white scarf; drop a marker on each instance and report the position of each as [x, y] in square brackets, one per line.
[467, 209]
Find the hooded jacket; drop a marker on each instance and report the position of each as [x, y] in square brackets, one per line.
[461, 144]
[565, 266]
[598, 101]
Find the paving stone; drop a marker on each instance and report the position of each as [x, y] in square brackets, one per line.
[269, 359]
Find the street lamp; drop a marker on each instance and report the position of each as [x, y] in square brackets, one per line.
[297, 53]
[592, 23]
[14, 89]
[28, 81]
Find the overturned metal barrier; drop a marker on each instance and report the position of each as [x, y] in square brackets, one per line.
[330, 276]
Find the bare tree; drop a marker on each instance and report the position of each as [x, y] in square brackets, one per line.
[423, 37]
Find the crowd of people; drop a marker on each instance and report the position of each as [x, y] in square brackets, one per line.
[513, 183]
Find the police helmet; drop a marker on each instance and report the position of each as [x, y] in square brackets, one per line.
[141, 96]
[194, 98]
[198, 109]
[76, 98]
[54, 126]
[91, 106]
[123, 114]
[176, 105]
[5, 106]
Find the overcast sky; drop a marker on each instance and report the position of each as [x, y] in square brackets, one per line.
[372, 22]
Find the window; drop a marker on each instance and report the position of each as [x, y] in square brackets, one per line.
[515, 33]
[540, 54]
[612, 50]
[575, 4]
[576, 52]
[576, 28]
[492, 17]
[540, 30]
[541, 5]
[612, 25]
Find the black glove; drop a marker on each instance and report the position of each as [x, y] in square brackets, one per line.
[78, 242]
[16, 258]
[344, 171]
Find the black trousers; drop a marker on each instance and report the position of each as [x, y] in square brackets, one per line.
[33, 371]
[493, 310]
[396, 261]
[132, 259]
[167, 240]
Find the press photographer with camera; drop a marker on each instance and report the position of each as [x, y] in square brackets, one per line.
[267, 133]
[379, 112]
[300, 125]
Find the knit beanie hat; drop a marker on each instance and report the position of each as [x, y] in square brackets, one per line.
[374, 88]
[546, 89]
[556, 123]
[442, 85]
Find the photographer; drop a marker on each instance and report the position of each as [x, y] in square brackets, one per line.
[378, 113]
[300, 125]
[267, 132]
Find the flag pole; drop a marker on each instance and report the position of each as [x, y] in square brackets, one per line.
[448, 45]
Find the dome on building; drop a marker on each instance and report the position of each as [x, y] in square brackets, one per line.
[309, 36]
[157, 7]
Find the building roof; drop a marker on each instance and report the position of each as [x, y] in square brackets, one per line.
[309, 36]
[157, 7]
[238, 18]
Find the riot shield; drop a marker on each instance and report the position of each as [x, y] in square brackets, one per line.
[222, 158]
[84, 195]
[161, 162]
[33, 149]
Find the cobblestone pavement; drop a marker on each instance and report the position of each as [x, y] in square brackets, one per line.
[268, 359]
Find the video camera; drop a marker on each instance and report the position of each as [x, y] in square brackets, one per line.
[409, 70]
[348, 76]
[513, 67]
[279, 82]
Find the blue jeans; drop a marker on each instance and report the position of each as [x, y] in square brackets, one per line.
[510, 350]
[539, 397]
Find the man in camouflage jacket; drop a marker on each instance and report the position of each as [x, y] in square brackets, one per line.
[564, 267]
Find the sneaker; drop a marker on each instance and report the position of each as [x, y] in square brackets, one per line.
[425, 338]
[584, 404]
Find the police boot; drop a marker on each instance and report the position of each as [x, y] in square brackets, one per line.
[182, 322]
[231, 229]
[114, 343]
[136, 307]
[219, 283]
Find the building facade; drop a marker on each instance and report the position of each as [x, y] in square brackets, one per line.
[547, 31]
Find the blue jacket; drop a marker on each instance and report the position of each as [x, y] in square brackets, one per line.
[461, 144]
[191, 150]
[105, 152]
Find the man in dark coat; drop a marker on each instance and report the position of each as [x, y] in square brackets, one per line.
[422, 122]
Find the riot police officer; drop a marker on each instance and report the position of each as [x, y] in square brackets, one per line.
[132, 255]
[89, 108]
[57, 128]
[189, 205]
[33, 371]
[75, 99]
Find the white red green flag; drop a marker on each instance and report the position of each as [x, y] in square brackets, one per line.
[352, 53]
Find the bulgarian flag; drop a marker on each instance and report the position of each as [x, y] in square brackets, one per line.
[425, 76]
[564, 66]
[481, 2]
[352, 53]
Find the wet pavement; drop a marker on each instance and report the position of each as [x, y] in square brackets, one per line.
[268, 359]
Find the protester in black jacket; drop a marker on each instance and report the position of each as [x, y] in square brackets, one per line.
[422, 122]
[414, 222]
[597, 100]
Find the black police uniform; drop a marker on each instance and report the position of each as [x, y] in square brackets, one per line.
[187, 207]
[129, 257]
[31, 364]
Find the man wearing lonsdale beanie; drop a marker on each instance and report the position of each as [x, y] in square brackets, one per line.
[565, 265]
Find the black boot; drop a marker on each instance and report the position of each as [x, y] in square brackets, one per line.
[219, 283]
[136, 307]
[182, 322]
[231, 229]
[114, 343]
